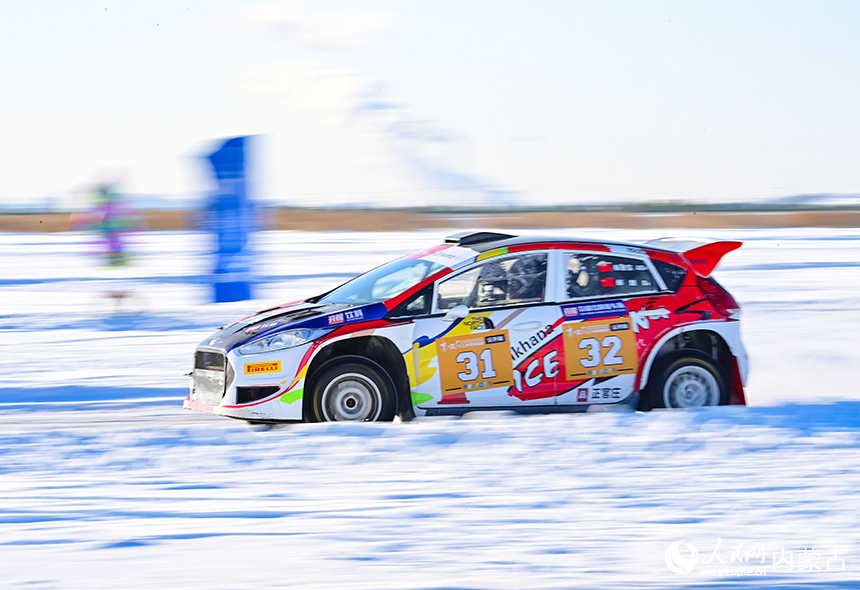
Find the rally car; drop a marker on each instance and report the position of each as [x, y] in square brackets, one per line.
[488, 321]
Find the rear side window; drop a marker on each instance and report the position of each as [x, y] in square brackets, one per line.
[595, 275]
[672, 274]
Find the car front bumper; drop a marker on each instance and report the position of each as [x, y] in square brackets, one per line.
[264, 387]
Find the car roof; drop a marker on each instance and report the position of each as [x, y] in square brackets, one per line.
[485, 241]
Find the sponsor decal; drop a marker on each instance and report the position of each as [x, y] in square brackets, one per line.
[523, 347]
[642, 318]
[258, 368]
[598, 394]
[589, 311]
[601, 372]
[627, 250]
[450, 257]
[605, 393]
[541, 366]
[350, 315]
[478, 322]
[261, 327]
[540, 370]
[604, 267]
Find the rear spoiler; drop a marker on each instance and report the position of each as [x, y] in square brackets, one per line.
[703, 255]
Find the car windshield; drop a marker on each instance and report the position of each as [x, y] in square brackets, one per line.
[385, 282]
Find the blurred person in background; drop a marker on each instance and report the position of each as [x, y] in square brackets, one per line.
[112, 219]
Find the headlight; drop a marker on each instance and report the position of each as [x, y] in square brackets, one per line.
[280, 341]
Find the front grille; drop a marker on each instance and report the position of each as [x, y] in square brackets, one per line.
[210, 378]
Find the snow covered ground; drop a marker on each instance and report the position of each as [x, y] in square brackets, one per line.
[106, 483]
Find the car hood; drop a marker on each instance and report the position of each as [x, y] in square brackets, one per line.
[300, 315]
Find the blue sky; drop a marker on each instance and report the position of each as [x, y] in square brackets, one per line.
[435, 102]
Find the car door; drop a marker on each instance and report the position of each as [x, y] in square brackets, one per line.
[599, 332]
[485, 343]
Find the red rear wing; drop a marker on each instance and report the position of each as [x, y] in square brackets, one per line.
[703, 255]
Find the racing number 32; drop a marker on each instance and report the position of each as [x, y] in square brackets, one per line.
[594, 346]
[599, 347]
[475, 361]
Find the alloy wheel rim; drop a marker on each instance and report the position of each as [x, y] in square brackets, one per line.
[691, 387]
[351, 397]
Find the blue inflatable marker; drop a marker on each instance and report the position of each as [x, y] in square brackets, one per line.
[231, 220]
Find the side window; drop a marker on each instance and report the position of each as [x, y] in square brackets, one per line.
[418, 304]
[515, 279]
[595, 275]
[673, 275]
[457, 290]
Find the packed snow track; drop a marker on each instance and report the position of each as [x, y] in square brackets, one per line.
[105, 482]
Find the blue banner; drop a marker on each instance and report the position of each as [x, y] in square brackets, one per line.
[595, 310]
[231, 220]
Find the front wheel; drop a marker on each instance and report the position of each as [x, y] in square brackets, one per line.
[357, 390]
[686, 379]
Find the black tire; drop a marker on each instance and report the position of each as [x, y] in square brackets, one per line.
[685, 379]
[351, 389]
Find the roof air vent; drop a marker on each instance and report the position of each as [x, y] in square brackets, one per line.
[470, 238]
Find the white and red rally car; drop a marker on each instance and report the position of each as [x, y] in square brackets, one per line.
[488, 321]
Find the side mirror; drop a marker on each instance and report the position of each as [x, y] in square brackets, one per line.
[456, 312]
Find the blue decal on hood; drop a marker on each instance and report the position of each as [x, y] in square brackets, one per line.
[342, 316]
[350, 315]
[303, 315]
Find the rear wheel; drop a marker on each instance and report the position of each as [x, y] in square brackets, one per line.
[686, 379]
[355, 390]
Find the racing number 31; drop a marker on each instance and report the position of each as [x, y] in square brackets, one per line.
[475, 361]
[599, 347]
[470, 359]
